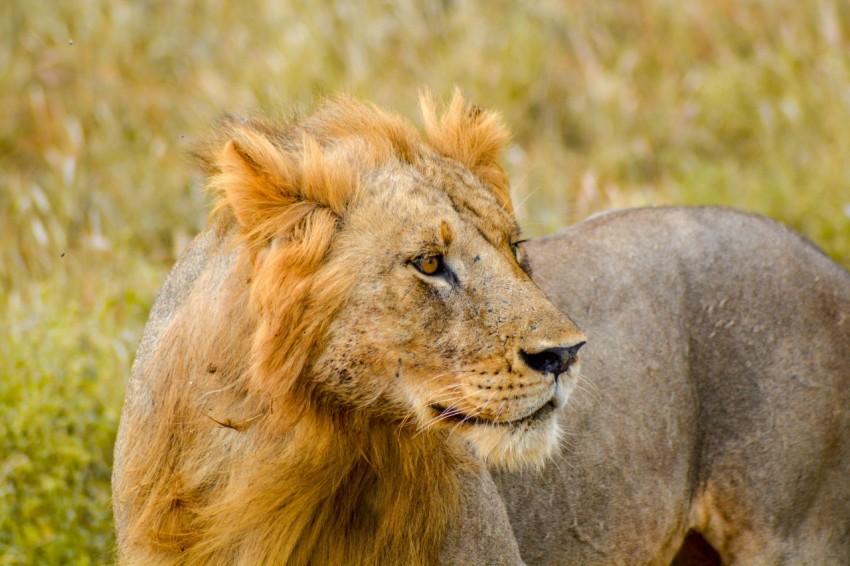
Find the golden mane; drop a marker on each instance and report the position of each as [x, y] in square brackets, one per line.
[249, 463]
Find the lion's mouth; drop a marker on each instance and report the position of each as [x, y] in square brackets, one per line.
[453, 414]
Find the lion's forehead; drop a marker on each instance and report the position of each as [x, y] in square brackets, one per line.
[439, 187]
[472, 200]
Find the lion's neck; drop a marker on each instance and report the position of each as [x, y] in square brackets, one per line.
[367, 493]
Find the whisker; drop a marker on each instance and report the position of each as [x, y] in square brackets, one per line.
[499, 409]
[444, 374]
[405, 419]
[589, 387]
[453, 405]
[445, 415]
[490, 398]
[442, 390]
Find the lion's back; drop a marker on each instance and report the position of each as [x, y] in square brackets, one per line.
[717, 366]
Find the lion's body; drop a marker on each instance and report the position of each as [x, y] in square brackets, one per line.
[332, 364]
[717, 396]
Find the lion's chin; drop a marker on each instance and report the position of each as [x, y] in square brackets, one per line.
[526, 444]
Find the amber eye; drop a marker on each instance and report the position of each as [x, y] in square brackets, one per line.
[429, 265]
[520, 256]
[515, 248]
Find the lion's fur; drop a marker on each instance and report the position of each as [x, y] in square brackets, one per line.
[281, 407]
[245, 452]
[717, 396]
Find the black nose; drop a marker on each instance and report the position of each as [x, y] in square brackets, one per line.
[552, 360]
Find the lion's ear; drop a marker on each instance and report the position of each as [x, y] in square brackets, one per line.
[277, 186]
[255, 179]
[472, 136]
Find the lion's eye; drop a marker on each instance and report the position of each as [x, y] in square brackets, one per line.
[515, 248]
[429, 265]
[521, 257]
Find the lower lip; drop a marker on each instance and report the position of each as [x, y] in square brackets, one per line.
[540, 413]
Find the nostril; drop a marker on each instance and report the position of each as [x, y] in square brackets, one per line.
[555, 360]
[546, 361]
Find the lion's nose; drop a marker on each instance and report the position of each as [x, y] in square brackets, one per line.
[555, 360]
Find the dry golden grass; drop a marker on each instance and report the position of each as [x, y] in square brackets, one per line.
[619, 103]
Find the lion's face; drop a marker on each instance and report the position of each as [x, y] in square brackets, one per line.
[443, 327]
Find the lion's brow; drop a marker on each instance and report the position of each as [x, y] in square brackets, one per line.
[484, 223]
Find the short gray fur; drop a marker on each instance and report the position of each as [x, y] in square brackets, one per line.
[717, 367]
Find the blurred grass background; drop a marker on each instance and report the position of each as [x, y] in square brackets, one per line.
[613, 104]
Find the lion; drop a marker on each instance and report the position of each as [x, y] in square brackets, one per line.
[353, 364]
[342, 350]
[713, 426]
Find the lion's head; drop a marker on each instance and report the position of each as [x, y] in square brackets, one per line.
[388, 275]
[360, 303]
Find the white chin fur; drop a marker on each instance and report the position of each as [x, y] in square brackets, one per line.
[563, 391]
[512, 449]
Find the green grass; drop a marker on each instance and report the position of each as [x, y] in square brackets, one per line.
[62, 363]
[618, 103]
